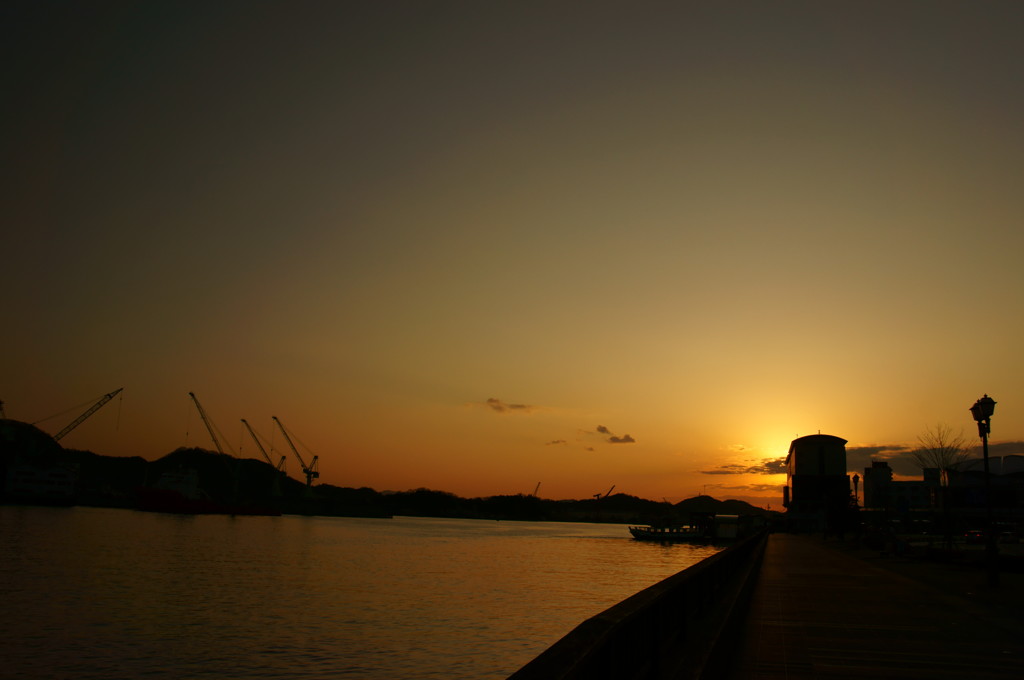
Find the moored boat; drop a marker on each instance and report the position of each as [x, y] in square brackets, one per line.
[669, 534]
[179, 493]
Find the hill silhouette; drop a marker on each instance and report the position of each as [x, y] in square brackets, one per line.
[229, 483]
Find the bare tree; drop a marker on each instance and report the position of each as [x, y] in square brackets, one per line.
[940, 448]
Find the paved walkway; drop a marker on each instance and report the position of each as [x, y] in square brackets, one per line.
[830, 610]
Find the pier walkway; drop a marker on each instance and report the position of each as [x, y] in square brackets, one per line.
[827, 609]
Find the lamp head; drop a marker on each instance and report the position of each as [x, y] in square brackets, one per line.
[983, 408]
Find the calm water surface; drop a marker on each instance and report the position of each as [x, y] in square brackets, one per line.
[98, 593]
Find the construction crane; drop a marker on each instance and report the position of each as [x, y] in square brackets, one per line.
[206, 421]
[309, 470]
[599, 496]
[275, 484]
[95, 407]
[280, 465]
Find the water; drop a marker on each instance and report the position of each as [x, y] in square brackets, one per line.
[100, 593]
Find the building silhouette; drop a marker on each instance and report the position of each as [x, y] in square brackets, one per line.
[817, 492]
[961, 505]
[881, 492]
[967, 487]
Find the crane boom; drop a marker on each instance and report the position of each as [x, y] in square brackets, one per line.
[289, 440]
[310, 471]
[259, 444]
[95, 407]
[206, 421]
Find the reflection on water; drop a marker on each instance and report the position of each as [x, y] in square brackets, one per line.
[98, 593]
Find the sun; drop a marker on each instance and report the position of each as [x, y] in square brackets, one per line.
[772, 445]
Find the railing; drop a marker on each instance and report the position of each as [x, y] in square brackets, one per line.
[675, 629]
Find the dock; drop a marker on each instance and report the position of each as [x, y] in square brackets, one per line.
[833, 610]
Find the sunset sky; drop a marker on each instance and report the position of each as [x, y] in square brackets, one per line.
[474, 246]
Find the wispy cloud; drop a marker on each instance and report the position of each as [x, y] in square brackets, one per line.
[899, 457]
[1012, 448]
[878, 452]
[857, 458]
[613, 438]
[772, 466]
[733, 469]
[761, 488]
[755, 488]
[499, 406]
[601, 431]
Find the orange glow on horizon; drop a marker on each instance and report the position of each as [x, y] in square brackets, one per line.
[642, 253]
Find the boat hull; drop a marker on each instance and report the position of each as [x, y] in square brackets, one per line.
[174, 502]
[668, 534]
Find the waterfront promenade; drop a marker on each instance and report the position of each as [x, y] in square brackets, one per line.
[829, 609]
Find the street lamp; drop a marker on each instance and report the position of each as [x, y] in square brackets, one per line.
[982, 412]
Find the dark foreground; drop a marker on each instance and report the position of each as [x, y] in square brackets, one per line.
[833, 610]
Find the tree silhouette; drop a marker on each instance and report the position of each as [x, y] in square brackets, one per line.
[940, 449]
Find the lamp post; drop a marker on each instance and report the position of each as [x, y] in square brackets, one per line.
[982, 412]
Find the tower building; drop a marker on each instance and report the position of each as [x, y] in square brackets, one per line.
[817, 486]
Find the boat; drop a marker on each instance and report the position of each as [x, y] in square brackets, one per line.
[669, 534]
[39, 484]
[178, 493]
